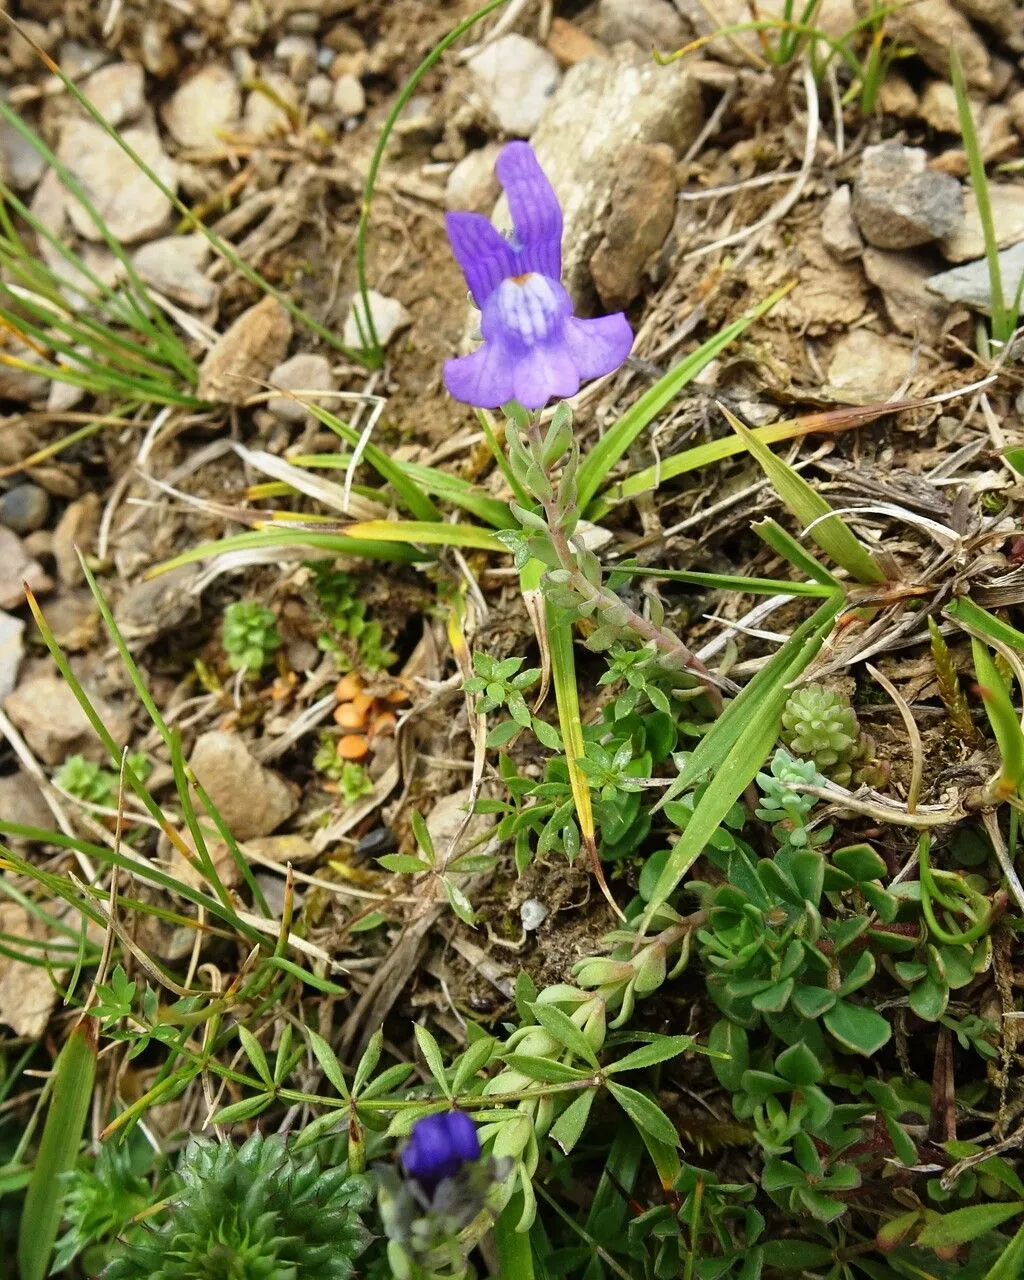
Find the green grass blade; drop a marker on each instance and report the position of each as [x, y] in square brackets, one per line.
[73, 1075]
[784, 544]
[410, 493]
[1010, 1263]
[335, 543]
[515, 1253]
[595, 467]
[974, 619]
[831, 532]
[733, 582]
[563, 675]
[1003, 719]
[429, 532]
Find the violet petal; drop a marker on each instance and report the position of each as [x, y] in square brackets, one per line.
[484, 255]
[536, 213]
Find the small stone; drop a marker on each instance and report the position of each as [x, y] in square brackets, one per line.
[533, 914]
[388, 316]
[55, 726]
[349, 97]
[27, 991]
[73, 618]
[971, 284]
[643, 208]
[1016, 108]
[473, 185]
[79, 60]
[646, 22]
[201, 109]
[19, 49]
[132, 208]
[22, 802]
[264, 118]
[839, 232]
[896, 97]
[938, 108]
[118, 92]
[21, 384]
[319, 92]
[1003, 16]
[934, 29]
[899, 204]
[76, 530]
[299, 53]
[571, 45]
[379, 841]
[151, 608]
[24, 508]
[18, 570]
[300, 373]
[252, 800]
[447, 823]
[902, 279]
[279, 849]
[515, 78]
[1007, 201]
[174, 265]
[240, 359]
[21, 165]
[866, 367]
[64, 396]
[12, 650]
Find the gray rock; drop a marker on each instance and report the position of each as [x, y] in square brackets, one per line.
[18, 570]
[971, 284]
[118, 92]
[24, 508]
[1007, 203]
[300, 373]
[349, 96]
[12, 650]
[174, 266]
[473, 185]
[388, 317]
[125, 198]
[20, 163]
[646, 22]
[154, 606]
[934, 28]
[319, 92]
[866, 367]
[643, 208]
[199, 111]
[22, 802]
[902, 279]
[839, 232]
[252, 800]
[899, 204]
[515, 78]
[76, 531]
[602, 105]
[55, 726]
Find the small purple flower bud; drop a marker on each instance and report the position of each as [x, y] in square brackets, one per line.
[438, 1148]
[534, 348]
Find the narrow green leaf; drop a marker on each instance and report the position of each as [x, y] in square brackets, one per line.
[255, 539]
[568, 1128]
[368, 1062]
[563, 674]
[547, 1070]
[829, 531]
[431, 1051]
[73, 1076]
[648, 1055]
[784, 544]
[597, 465]
[247, 1109]
[1010, 1263]
[1001, 716]
[430, 533]
[328, 1060]
[644, 1113]
[978, 621]
[515, 1253]
[473, 1061]
[823, 588]
[963, 1225]
[565, 1031]
[254, 1052]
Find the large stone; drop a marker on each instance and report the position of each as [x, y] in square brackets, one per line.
[174, 266]
[902, 279]
[1007, 202]
[866, 367]
[972, 285]
[155, 606]
[515, 78]
[17, 571]
[646, 22]
[934, 28]
[602, 106]
[21, 165]
[55, 726]
[300, 373]
[22, 802]
[131, 206]
[252, 800]
[238, 363]
[200, 110]
[1003, 16]
[643, 208]
[118, 92]
[898, 203]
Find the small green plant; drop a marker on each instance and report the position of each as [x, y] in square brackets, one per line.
[356, 642]
[250, 635]
[821, 726]
[92, 782]
[103, 1196]
[254, 1211]
[353, 782]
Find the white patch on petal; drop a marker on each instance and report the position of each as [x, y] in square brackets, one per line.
[529, 306]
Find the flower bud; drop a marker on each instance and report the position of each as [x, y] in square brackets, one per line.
[590, 1018]
[597, 971]
[649, 967]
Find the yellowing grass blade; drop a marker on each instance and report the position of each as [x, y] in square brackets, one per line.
[428, 532]
[73, 1076]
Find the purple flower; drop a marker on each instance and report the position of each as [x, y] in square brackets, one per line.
[534, 349]
[438, 1148]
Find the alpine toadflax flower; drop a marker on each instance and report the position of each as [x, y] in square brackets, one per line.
[438, 1148]
[534, 348]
